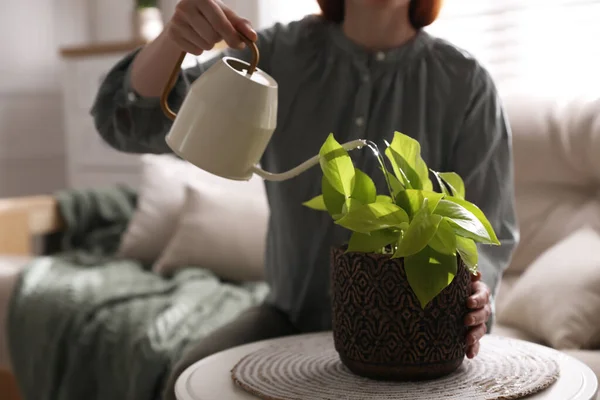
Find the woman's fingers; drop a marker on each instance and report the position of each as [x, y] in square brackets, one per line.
[478, 317]
[241, 25]
[215, 15]
[472, 351]
[187, 39]
[480, 296]
[181, 30]
[197, 25]
[202, 27]
[476, 334]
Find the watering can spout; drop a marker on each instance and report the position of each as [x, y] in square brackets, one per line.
[228, 118]
[306, 165]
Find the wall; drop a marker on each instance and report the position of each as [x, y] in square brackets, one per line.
[247, 8]
[32, 148]
[31, 134]
[262, 13]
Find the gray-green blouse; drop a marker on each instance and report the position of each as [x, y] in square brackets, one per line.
[427, 88]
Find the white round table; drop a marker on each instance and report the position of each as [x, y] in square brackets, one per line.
[210, 378]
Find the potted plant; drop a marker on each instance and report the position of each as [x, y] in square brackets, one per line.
[148, 22]
[400, 285]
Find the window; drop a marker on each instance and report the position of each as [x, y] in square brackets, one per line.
[542, 45]
[285, 11]
[546, 46]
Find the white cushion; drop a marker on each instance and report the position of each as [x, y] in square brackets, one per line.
[506, 285]
[557, 299]
[221, 228]
[161, 197]
[557, 170]
[513, 333]
[554, 141]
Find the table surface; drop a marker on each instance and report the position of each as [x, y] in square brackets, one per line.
[210, 378]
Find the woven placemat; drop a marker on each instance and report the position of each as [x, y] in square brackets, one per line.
[311, 369]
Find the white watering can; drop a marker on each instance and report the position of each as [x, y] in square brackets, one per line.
[227, 119]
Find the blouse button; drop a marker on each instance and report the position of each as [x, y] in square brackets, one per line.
[360, 121]
[380, 56]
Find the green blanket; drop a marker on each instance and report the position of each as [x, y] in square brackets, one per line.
[86, 325]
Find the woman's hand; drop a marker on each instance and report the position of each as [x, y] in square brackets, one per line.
[476, 320]
[197, 25]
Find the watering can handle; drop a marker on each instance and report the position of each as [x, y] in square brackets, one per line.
[177, 68]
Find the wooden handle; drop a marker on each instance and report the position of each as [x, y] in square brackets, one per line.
[177, 68]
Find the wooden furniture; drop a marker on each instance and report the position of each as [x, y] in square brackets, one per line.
[21, 220]
[210, 378]
[24, 218]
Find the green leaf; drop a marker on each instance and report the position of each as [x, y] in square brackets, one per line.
[421, 230]
[337, 166]
[402, 169]
[467, 249]
[373, 217]
[411, 200]
[444, 240]
[464, 222]
[474, 210]
[396, 185]
[429, 272]
[373, 242]
[441, 184]
[455, 183]
[350, 205]
[364, 188]
[384, 199]
[427, 185]
[404, 154]
[333, 200]
[316, 203]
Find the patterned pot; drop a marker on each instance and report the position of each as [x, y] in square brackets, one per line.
[380, 330]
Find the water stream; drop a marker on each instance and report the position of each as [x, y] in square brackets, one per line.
[375, 149]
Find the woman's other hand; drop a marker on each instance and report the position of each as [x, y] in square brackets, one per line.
[479, 303]
[197, 25]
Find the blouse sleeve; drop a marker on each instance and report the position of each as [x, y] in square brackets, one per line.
[135, 124]
[483, 157]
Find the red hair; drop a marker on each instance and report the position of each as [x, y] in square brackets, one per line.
[421, 12]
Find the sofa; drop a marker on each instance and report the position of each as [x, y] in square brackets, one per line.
[557, 182]
[548, 295]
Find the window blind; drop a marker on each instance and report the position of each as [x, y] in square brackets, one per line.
[541, 45]
[538, 45]
[273, 11]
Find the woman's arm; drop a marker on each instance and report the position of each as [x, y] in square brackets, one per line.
[131, 122]
[196, 26]
[127, 112]
[152, 66]
[483, 157]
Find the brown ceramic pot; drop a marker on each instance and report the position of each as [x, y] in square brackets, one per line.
[379, 328]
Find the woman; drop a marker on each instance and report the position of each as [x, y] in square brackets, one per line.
[363, 69]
